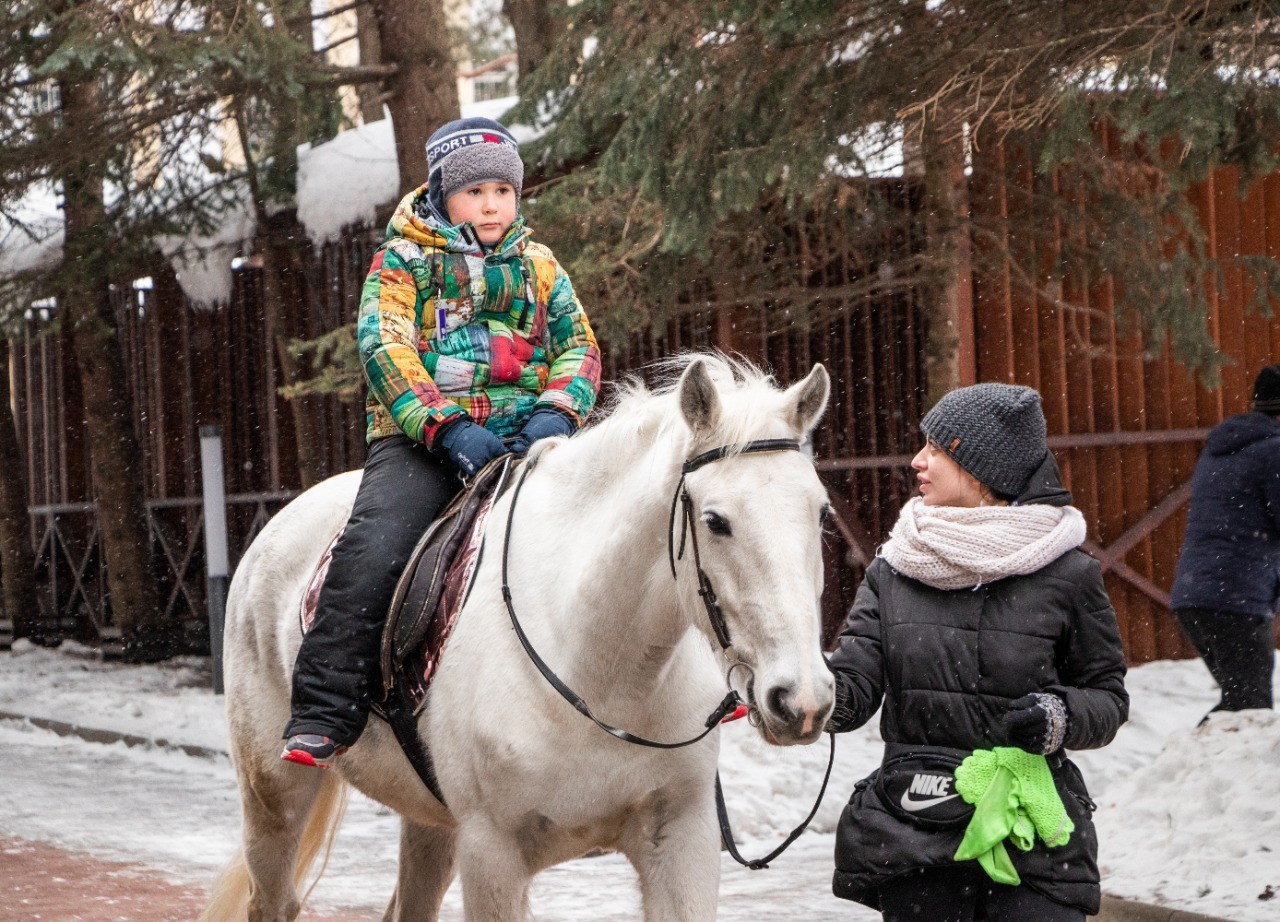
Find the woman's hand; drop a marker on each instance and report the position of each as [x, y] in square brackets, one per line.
[1036, 723]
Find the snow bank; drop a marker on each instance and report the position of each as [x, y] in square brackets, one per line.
[770, 790]
[203, 263]
[33, 240]
[170, 700]
[347, 180]
[1199, 827]
[1166, 698]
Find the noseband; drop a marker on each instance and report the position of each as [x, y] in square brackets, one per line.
[714, 614]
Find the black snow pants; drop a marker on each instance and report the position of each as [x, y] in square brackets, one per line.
[1239, 650]
[405, 487]
[965, 894]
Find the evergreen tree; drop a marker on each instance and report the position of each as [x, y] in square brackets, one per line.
[122, 108]
[17, 561]
[538, 26]
[423, 93]
[673, 119]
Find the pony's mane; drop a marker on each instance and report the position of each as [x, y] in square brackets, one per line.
[639, 412]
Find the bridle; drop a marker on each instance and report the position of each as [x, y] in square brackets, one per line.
[681, 498]
[715, 615]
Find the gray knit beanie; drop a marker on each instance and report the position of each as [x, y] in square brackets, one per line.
[996, 432]
[469, 151]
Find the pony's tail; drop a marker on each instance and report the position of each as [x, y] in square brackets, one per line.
[229, 895]
[322, 828]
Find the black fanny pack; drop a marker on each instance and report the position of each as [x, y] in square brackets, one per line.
[918, 785]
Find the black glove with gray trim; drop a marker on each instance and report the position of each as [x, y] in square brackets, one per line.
[1036, 723]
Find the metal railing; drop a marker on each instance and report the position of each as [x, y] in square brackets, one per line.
[72, 594]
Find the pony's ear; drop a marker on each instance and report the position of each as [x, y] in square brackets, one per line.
[699, 401]
[808, 399]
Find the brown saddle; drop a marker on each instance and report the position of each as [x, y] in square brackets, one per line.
[435, 583]
[424, 609]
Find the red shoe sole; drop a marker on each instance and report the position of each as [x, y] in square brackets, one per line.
[301, 758]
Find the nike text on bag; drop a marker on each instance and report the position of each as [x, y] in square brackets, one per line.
[920, 787]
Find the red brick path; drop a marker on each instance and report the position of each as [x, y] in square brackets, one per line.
[39, 883]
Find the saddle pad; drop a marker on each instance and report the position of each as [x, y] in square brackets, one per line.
[311, 598]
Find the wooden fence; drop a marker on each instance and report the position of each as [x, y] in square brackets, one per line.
[187, 368]
[1127, 423]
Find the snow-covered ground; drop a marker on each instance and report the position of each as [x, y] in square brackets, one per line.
[1188, 817]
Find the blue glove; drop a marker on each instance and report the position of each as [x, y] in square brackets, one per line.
[543, 423]
[470, 446]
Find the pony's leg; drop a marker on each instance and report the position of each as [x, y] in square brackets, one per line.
[426, 870]
[277, 802]
[495, 875]
[676, 853]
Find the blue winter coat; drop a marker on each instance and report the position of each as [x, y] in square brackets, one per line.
[1230, 557]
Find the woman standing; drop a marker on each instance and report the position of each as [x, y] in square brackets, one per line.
[980, 625]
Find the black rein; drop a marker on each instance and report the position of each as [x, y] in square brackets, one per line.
[714, 614]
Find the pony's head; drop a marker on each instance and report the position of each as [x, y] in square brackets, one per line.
[758, 521]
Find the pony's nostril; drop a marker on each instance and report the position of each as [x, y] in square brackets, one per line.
[779, 699]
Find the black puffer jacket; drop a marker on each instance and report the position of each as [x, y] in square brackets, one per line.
[947, 664]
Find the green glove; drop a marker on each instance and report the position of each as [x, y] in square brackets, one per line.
[1015, 798]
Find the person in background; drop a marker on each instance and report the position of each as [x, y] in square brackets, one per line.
[474, 345]
[989, 638]
[1227, 587]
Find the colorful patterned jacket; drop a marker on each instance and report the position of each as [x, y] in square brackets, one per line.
[446, 331]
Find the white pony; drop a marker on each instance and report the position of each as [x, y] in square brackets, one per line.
[528, 781]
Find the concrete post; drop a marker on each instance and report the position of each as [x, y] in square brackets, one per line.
[217, 561]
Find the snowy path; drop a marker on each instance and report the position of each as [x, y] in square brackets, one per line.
[1187, 817]
[179, 814]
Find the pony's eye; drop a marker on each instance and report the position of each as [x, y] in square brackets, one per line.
[717, 524]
